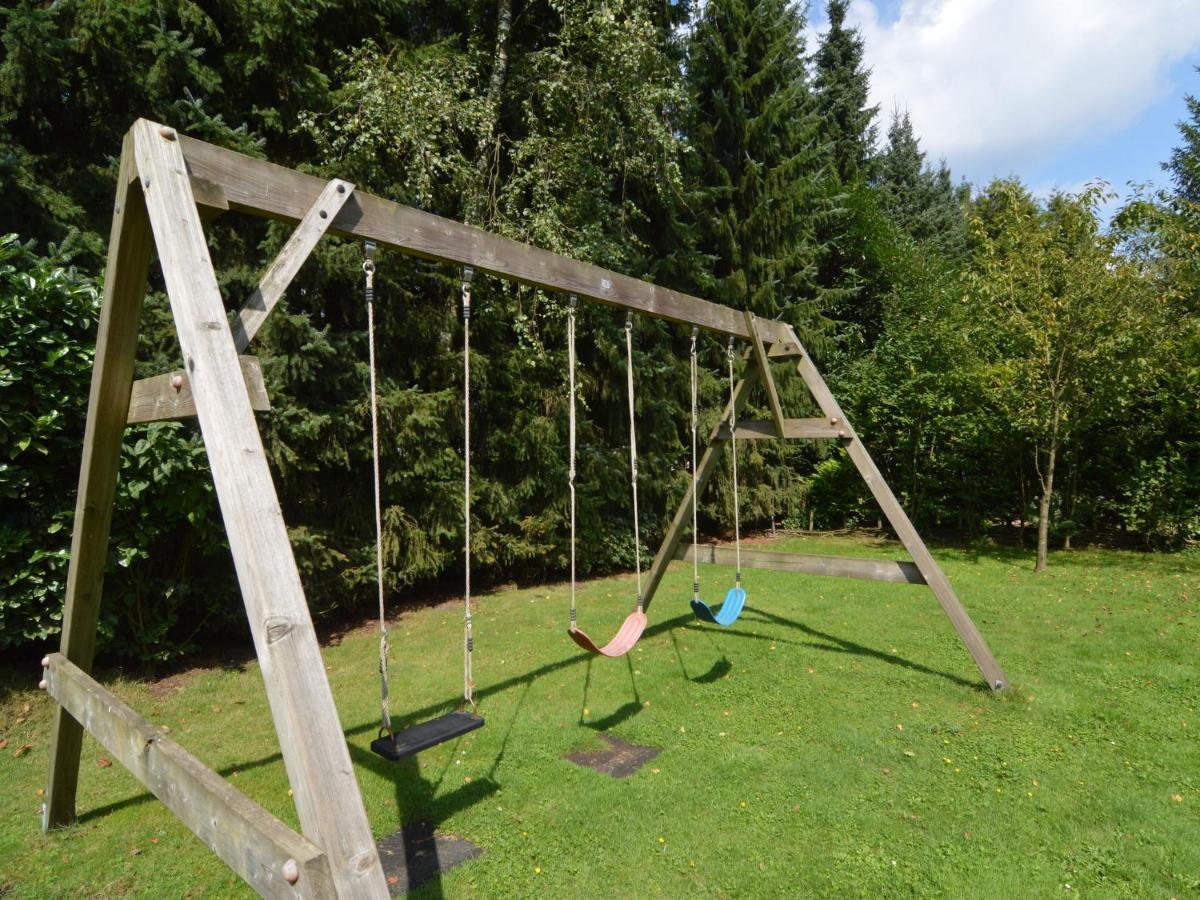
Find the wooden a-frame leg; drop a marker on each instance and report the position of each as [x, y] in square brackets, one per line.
[314, 749]
[108, 401]
[930, 570]
[704, 471]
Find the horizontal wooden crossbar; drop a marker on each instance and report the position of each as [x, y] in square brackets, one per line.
[793, 429]
[156, 399]
[261, 188]
[838, 566]
[249, 839]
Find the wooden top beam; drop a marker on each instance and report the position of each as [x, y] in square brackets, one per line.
[262, 188]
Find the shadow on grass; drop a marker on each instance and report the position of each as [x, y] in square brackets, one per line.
[834, 644]
[415, 795]
[623, 713]
[423, 809]
[716, 671]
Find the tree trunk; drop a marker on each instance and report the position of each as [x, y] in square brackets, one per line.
[495, 96]
[1072, 484]
[1047, 480]
[478, 207]
[1024, 502]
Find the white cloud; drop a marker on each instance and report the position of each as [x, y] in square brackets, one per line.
[994, 85]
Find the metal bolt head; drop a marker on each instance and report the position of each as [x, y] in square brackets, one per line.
[291, 871]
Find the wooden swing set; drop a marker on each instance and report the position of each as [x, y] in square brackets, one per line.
[168, 186]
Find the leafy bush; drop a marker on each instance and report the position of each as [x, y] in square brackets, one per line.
[169, 574]
[1162, 504]
[47, 321]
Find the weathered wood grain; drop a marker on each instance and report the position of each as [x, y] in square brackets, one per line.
[760, 357]
[157, 398]
[310, 735]
[897, 571]
[287, 263]
[930, 570]
[793, 429]
[249, 839]
[129, 246]
[785, 350]
[262, 188]
[209, 198]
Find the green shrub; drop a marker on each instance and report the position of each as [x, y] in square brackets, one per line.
[47, 321]
[168, 574]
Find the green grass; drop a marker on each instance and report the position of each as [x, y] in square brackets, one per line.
[836, 740]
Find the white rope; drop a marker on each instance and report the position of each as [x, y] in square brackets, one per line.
[572, 302]
[695, 480]
[633, 467]
[468, 639]
[737, 530]
[369, 272]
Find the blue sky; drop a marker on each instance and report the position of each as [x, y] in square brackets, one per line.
[1057, 92]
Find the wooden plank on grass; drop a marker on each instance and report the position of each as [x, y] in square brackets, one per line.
[897, 571]
[793, 429]
[157, 398]
[285, 266]
[249, 839]
[314, 749]
[129, 245]
[262, 188]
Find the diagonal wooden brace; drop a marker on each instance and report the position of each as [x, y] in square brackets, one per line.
[285, 266]
[760, 357]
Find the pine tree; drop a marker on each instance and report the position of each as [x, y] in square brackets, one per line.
[1184, 164]
[843, 89]
[760, 183]
[923, 201]
[762, 189]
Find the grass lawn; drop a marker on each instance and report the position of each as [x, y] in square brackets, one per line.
[836, 740]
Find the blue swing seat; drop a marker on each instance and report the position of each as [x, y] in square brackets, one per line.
[726, 613]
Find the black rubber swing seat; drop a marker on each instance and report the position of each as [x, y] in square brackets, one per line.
[422, 736]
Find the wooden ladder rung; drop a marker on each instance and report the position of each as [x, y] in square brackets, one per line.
[793, 429]
[169, 396]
